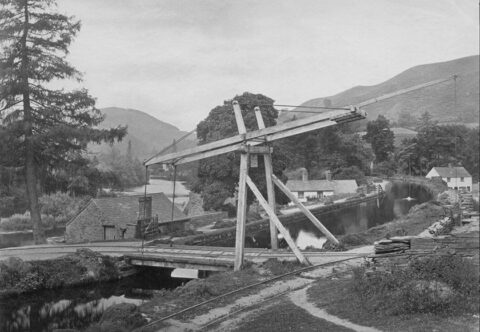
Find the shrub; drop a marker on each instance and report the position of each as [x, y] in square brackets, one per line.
[444, 284]
[16, 222]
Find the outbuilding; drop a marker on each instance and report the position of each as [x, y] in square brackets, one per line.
[115, 218]
[455, 177]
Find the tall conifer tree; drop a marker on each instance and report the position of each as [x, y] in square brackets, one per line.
[45, 127]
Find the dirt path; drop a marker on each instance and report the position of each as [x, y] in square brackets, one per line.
[230, 316]
[299, 298]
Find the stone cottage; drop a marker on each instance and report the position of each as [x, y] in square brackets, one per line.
[115, 218]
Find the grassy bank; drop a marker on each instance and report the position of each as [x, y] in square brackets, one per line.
[432, 294]
[81, 267]
[418, 219]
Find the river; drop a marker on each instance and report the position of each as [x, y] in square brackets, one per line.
[79, 307]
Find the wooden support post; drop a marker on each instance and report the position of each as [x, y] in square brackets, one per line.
[278, 224]
[305, 211]
[242, 194]
[241, 213]
[268, 178]
[239, 118]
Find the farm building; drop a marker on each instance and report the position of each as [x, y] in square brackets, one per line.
[455, 177]
[116, 218]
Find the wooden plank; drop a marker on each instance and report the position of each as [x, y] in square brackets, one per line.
[235, 147]
[262, 149]
[278, 224]
[268, 177]
[330, 117]
[195, 266]
[238, 118]
[305, 211]
[241, 213]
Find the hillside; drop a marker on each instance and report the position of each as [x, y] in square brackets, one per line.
[437, 100]
[147, 134]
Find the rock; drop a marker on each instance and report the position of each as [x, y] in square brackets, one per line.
[124, 315]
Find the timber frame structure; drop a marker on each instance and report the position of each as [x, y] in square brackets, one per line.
[255, 143]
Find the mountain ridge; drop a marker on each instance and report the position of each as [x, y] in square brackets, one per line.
[146, 133]
[438, 100]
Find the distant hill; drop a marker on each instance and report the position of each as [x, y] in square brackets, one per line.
[148, 135]
[437, 100]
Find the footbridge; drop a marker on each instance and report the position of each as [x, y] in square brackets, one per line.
[177, 256]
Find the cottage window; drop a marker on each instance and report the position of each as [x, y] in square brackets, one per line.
[462, 179]
[319, 194]
[301, 194]
[448, 179]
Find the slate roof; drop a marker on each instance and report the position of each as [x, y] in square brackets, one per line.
[452, 172]
[337, 186]
[123, 210]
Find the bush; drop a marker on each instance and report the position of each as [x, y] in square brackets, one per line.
[16, 222]
[445, 284]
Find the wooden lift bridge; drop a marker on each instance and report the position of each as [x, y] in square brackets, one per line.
[256, 143]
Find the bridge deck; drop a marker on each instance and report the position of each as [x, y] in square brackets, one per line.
[176, 256]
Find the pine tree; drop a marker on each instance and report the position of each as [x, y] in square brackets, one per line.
[46, 127]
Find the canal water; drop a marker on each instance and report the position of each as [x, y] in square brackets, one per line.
[350, 220]
[80, 307]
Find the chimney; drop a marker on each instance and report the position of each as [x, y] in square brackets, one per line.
[304, 175]
[145, 207]
[328, 175]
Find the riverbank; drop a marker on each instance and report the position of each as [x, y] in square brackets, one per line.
[418, 219]
[82, 267]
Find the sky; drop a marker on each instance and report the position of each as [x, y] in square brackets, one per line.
[178, 59]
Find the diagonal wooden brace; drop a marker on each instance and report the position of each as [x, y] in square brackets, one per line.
[305, 211]
[277, 222]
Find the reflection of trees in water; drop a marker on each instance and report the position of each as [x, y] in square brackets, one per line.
[68, 308]
[356, 219]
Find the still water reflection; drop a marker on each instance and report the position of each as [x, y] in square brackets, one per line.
[78, 307]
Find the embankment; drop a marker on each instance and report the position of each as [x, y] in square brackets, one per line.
[82, 267]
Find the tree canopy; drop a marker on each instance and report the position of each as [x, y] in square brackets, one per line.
[46, 128]
[218, 176]
[381, 138]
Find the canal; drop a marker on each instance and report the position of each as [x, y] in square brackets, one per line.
[81, 306]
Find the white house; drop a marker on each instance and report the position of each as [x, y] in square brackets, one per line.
[455, 177]
[311, 189]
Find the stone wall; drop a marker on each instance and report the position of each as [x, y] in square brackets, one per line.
[85, 227]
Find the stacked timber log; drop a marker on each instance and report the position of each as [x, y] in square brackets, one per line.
[401, 250]
[440, 227]
[393, 245]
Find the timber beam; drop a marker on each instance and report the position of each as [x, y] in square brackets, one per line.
[268, 134]
[255, 149]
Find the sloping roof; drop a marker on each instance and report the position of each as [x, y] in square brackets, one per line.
[337, 186]
[123, 210]
[452, 172]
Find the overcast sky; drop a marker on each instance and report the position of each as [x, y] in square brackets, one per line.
[177, 59]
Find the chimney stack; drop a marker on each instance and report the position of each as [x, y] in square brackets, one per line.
[328, 175]
[304, 175]
[145, 207]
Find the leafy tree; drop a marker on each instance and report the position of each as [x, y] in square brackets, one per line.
[439, 145]
[380, 137]
[347, 173]
[218, 176]
[45, 127]
[332, 148]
